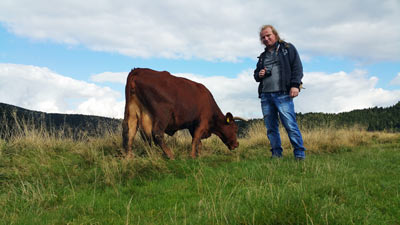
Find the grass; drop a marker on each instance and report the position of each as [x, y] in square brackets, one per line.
[350, 176]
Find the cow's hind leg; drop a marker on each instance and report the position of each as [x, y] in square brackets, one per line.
[129, 129]
[146, 127]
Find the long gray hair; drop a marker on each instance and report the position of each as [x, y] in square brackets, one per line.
[274, 31]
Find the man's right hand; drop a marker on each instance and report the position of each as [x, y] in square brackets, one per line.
[261, 74]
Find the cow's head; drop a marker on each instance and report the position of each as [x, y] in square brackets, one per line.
[228, 132]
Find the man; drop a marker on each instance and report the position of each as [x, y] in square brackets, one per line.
[279, 71]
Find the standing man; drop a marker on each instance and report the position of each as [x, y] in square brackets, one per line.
[279, 72]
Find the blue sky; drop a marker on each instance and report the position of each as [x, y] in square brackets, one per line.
[73, 56]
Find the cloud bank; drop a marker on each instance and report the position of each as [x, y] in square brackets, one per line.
[341, 92]
[329, 93]
[41, 89]
[224, 30]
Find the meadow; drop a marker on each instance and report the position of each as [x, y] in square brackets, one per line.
[350, 176]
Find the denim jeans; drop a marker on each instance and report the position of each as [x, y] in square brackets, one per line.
[280, 103]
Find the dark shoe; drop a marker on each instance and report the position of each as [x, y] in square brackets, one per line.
[299, 159]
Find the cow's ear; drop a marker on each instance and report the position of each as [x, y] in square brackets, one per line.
[229, 118]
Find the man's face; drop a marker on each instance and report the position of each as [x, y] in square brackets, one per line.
[267, 37]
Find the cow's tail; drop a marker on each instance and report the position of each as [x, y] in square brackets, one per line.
[129, 92]
[130, 87]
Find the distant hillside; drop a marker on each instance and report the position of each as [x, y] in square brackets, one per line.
[373, 119]
[13, 119]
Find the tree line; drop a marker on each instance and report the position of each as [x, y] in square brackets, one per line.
[372, 119]
[14, 119]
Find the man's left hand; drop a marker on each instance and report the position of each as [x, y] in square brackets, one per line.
[294, 92]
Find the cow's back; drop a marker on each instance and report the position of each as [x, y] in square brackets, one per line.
[173, 100]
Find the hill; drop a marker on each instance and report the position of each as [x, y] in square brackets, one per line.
[373, 119]
[14, 119]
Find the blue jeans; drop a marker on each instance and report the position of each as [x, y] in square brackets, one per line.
[280, 103]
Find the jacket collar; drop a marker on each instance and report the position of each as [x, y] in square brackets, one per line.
[276, 47]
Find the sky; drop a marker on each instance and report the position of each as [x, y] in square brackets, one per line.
[74, 56]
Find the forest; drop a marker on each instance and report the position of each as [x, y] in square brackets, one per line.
[373, 119]
[13, 117]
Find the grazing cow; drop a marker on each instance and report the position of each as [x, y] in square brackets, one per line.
[158, 103]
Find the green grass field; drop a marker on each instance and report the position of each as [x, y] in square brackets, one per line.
[349, 177]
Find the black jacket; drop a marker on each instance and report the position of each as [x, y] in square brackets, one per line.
[291, 71]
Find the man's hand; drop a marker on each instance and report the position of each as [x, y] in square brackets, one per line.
[294, 92]
[261, 74]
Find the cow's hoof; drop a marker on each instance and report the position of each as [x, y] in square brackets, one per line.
[129, 155]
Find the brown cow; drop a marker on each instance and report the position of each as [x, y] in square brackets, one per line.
[158, 103]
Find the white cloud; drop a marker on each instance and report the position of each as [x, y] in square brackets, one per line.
[396, 80]
[330, 93]
[110, 77]
[39, 88]
[213, 30]
[340, 92]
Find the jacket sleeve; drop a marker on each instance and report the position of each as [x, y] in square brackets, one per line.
[296, 67]
[258, 68]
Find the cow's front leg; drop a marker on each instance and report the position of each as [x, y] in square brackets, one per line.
[197, 135]
[195, 146]
[196, 149]
[199, 146]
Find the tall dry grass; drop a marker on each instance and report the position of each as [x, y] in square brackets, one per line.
[319, 140]
[31, 148]
[35, 143]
